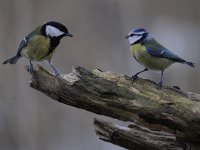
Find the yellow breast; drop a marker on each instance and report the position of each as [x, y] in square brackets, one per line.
[37, 48]
[148, 61]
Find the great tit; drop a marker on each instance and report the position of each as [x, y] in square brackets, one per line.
[40, 44]
[151, 54]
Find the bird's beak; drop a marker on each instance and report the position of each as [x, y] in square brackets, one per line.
[68, 34]
[127, 36]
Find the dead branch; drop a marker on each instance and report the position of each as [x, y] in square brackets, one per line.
[166, 110]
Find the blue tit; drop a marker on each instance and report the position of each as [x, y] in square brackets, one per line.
[151, 54]
[40, 44]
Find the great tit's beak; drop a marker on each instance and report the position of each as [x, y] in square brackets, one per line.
[127, 36]
[68, 34]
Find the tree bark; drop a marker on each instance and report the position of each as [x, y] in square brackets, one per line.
[137, 137]
[173, 115]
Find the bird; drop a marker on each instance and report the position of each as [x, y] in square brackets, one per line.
[151, 54]
[40, 44]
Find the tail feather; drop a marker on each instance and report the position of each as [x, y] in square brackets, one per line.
[180, 60]
[12, 60]
[189, 63]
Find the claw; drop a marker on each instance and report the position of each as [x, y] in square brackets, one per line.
[134, 77]
[159, 84]
[30, 67]
[57, 74]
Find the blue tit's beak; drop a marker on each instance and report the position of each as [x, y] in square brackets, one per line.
[68, 34]
[127, 36]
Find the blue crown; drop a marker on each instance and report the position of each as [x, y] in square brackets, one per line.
[139, 30]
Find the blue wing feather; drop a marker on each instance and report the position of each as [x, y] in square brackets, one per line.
[164, 53]
[157, 50]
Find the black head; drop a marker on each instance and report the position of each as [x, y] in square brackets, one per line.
[54, 29]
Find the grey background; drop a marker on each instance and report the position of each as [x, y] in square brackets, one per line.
[30, 120]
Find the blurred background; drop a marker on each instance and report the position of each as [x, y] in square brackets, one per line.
[30, 120]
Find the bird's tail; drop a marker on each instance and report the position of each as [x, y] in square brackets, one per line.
[189, 63]
[12, 60]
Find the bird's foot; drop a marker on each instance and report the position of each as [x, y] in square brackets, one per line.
[159, 84]
[176, 87]
[30, 70]
[134, 77]
[57, 74]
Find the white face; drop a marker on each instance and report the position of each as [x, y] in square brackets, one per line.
[53, 32]
[134, 37]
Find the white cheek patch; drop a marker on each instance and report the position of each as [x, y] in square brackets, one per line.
[133, 39]
[53, 32]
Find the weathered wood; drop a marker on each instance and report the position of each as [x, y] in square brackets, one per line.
[136, 137]
[106, 93]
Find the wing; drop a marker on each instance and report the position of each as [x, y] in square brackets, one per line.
[157, 50]
[27, 39]
[23, 44]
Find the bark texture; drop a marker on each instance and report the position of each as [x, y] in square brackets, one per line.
[171, 116]
[137, 137]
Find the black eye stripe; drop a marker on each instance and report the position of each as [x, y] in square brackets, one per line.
[132, 34]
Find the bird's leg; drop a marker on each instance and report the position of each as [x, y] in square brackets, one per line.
[55, 70]
[31, 68]
[135, 76]
[160, 83]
